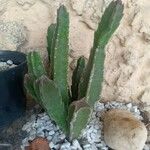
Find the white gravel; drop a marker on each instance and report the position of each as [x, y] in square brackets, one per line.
[91, 138]
[6, 65]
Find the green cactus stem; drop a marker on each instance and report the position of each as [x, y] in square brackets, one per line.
[35, 65]
[60, 66]
[50, 39]
[78, 116]
[52, 102]
[91, 82]
[77, 76]
[28, 83]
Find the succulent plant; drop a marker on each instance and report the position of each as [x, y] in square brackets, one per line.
[71, 110]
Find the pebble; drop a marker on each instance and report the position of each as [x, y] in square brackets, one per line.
[129, 105]
[62, 136]
[6, 65]
[92, 137]
[51, 132]
[9, 62]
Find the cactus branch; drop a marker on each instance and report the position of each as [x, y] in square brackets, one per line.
[91, 82]
[35, 65]
[77, 76]
[79, 114]
[50, 39]
[60, 72]
[52, 102]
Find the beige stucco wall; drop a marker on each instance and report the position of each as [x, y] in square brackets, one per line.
[23, 26]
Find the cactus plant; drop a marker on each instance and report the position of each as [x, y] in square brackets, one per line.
[52, 93]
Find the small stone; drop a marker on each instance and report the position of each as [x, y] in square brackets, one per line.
[66, 145]
[32, 137]
[49, 138]
[123, 131]
[25, 142]
[51, 145]
[86, 146]
[9, 62]
[62, 137]
[129, 105]
[56, 146]
[96, 126]
[147, 147]
[51, 132]
[40, 134]
[73, 148]
[76, 144]
[135, 109]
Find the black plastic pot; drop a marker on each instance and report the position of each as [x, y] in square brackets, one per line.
[12, 97]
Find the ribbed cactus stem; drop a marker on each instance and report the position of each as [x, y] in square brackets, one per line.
[35, 70]
[35, 65]
[91, 82]
[52, 102]
[79, 115]
[77, 73]
[61, 51]
[28, 83]
[50, 39]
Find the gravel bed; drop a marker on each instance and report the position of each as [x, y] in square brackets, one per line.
[6, 65]
[92, 138]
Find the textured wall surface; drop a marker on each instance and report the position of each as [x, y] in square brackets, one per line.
[23, 27]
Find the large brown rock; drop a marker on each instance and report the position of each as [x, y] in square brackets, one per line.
[122, 131]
